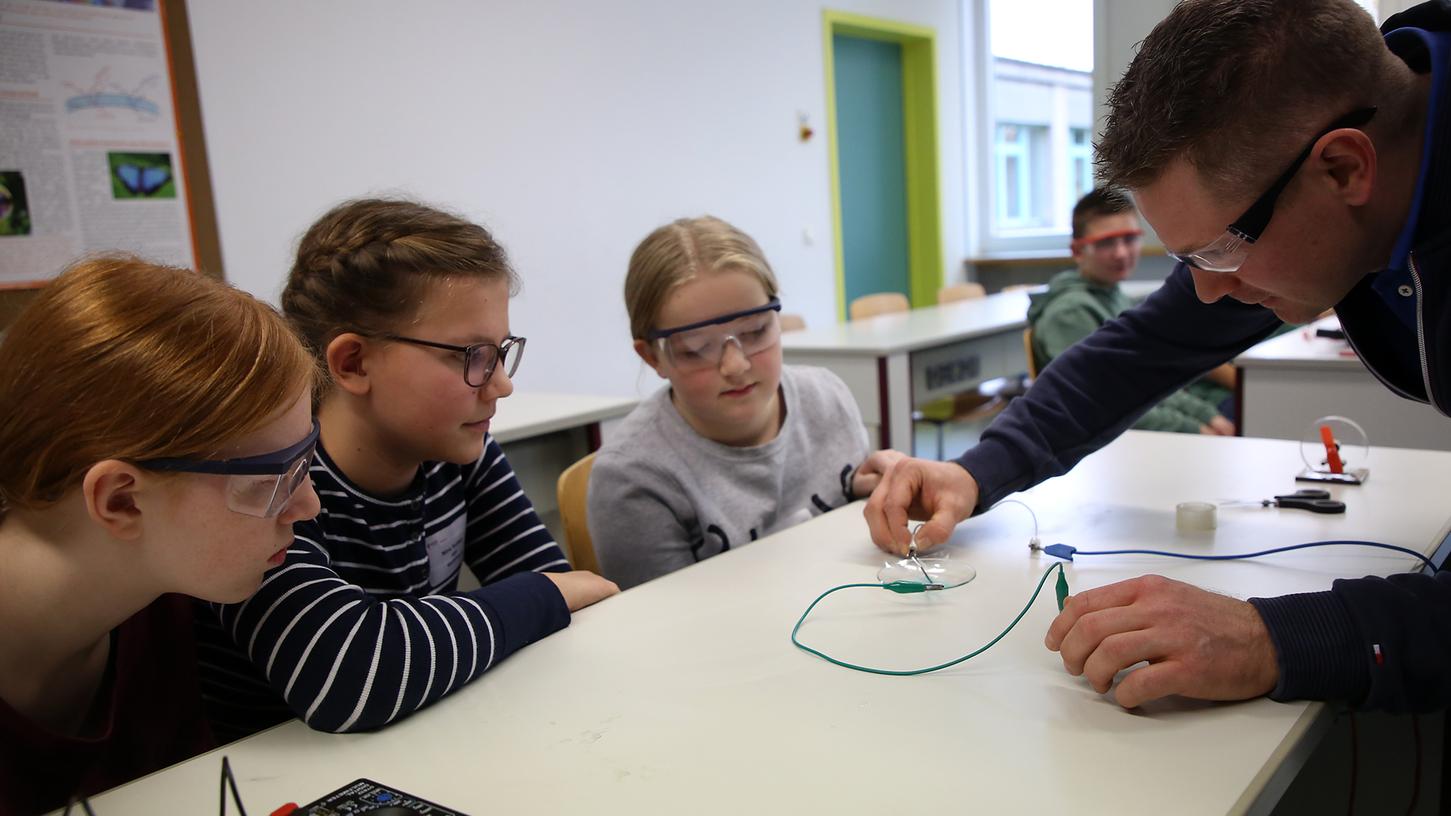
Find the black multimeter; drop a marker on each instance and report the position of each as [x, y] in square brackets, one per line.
[368, 797]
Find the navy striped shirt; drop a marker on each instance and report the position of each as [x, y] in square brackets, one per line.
[363, 623]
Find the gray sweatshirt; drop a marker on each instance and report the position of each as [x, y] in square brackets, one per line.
[662, 497]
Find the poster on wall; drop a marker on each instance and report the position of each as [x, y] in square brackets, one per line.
[89, 158]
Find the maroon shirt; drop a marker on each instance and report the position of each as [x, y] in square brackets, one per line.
[148, 715]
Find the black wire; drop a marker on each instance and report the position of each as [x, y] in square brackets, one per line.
[83, 802]
[1354, 763]
[228, 778]
[1416, 777]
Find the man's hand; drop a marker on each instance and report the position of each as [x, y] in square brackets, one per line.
[1198, 644]
[943, 493]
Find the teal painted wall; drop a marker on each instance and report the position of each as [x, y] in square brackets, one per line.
[872, 168]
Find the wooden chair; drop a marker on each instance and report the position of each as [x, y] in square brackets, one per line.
[960, 291]
[878, 304]
[1028, 353]
[792, 322]
[573, 492]
[1018, 287]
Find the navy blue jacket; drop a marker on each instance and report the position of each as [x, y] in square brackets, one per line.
[1099, 387]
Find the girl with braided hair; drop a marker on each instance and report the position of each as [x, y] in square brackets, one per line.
[407, 308]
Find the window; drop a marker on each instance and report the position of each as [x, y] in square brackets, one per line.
[1080, 163]
[1037, 123]
[1030, 118]
[1013, 175]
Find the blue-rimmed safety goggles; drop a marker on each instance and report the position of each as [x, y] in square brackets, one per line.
[700, 345]
[260, 485]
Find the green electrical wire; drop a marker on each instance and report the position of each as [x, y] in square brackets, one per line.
[907, 587]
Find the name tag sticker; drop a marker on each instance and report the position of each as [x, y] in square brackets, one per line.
[446, 551]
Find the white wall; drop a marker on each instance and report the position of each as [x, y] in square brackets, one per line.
[1119, 26]
[570, 129]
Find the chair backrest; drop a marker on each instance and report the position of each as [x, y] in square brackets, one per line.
[1018, 287]
[573, 492]
[1028, 352]
[792, 322]
[878, 304]
[960, 291]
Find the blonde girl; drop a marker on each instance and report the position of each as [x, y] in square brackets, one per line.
[736, 445]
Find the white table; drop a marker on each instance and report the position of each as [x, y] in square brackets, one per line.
[894, 363]
[1287, 382]
[526, 415]
[543, 433]
[684, 694]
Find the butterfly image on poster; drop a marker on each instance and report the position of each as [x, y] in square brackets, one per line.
[143, 180]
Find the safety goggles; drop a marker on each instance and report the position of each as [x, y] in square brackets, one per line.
[261, 485]
[1227, 253]
[1108, 241]
[702, 345]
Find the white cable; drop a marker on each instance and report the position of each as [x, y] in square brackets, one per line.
[1033, 543]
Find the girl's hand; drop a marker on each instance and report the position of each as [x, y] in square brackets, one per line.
[581, 588]
[871, 471]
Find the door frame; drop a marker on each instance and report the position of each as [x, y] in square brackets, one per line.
[919, 143]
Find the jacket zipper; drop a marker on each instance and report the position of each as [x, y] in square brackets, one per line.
[1421, 332]
[1420, 348]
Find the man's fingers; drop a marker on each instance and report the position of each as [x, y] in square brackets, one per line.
[936, 530]
[1118, 652]
[911, 489]
[1092, 629]
[875, 513]
[1151, 682]
[902, 488]
[1117, 594]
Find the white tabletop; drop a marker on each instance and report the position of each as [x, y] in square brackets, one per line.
[685, 693]
[527, 414]
[928, 326]
[918, 328]
[1301, 348]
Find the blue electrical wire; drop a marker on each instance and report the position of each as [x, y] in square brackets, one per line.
[1066, 552]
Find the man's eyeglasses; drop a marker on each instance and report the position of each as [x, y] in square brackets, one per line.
[261, 485]
[1227, 253]
[480, 359]
[701, 345]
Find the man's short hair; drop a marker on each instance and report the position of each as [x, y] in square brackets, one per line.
[1234, 85]
[1099, 201]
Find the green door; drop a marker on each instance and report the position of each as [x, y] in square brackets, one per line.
[872, 166]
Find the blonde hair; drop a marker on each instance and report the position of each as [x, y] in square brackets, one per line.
[683, 250]
[119, 358]
[364, 266]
